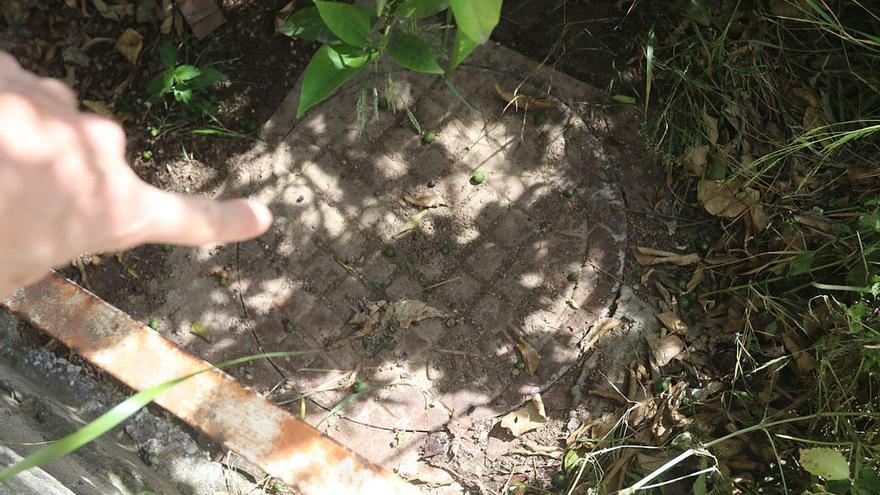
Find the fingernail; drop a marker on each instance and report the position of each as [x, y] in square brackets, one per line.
[262, 214]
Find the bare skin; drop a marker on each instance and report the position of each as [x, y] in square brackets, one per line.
[66, 188]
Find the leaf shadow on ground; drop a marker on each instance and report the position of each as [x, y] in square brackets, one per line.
[337, 197]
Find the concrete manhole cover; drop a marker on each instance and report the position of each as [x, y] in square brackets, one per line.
[495, 261]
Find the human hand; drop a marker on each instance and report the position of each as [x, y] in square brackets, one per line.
[65, 187]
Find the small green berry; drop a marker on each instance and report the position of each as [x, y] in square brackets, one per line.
[685, 303]
[520, 365]
[445, 249]
[478, 178]
[389, 252]
[358, 386]
[682, 284]
[540, 117]
[167, 248]
[574, 276]
[154, 132]
[428, 138]
[662, 385]
[289, 327]
[148, 155]
[154, 324]
[704, 245]
[559, 479]
[568, 193]
[277, 486]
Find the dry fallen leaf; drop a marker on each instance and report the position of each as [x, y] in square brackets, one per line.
[672, 322]
[694, 159]
[201, 331]
[726, 199]
[530, 416]
[518, 101]
[101, 108]
[759, 217]
[665, 349]
[114, 12]
[530, 356]
[696, 279]
[650, 256]
[711, 128]
[413, 222]
[815, 223]
[129, 44]
[425, 200]
[409, 311]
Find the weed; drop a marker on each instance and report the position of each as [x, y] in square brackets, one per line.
[183, 88]
[354, 36]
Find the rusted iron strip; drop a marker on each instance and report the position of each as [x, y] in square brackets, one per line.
[213, 402]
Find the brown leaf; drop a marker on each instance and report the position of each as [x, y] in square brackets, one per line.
[129, 44]
[759, 217]
[673, 322]
[711, 128]
[726, 199]
[409, 311]
[530, 356]
[694, 159]
[101, 108]
[518, 101]
[114, 12]
[530, 416]
[650, 256]
[425, 200]
[696, 279]
[815, 223]
[665, 349]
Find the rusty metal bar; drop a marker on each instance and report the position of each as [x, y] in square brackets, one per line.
[213, 402]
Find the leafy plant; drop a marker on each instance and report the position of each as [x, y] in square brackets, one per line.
[353, 36]
[188, 85]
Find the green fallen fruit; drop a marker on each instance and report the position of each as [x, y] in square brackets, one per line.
[428, 138]
[574, 276]
[478, 178]
[685, 303]
[167, 248]
[389, 252]
[358, 386]
[559, 479]
[154, 324]
[154, 132]
[277, 486]
[289, 327]
[520, 365]
[445, 249]
[682, 284]
[540, 117]
[148, 155]
[568, 193]
[704, 246]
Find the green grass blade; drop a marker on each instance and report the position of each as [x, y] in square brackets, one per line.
[114, 416]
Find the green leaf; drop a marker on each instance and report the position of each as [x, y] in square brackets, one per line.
[327, 71]
[168, 54]
[185, 73]
[352, 23]
[826, 463]
[209, 77]
[418, 9]
[161, 84]
[413, 53]
[307, 24]
[184, 96]
[462, 47]
[476, 18]
[800, 264]
[112, 418]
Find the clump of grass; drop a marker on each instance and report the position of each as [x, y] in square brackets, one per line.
[785, 98]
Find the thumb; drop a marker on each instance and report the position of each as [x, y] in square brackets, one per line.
[193, 220]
